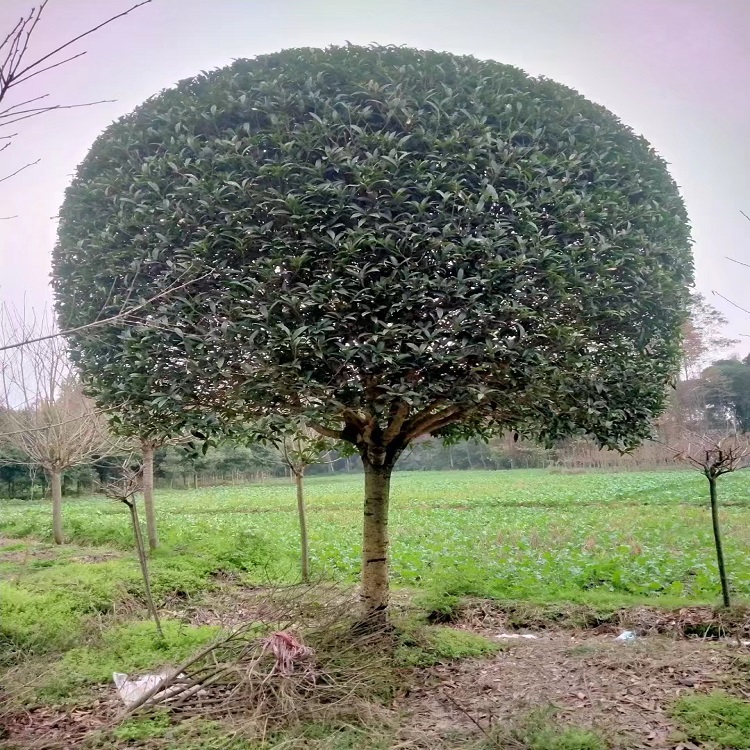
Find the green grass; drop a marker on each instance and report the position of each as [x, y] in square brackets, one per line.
[562, 547]
[521, 535]
[427, 645]
[717, 721]
[130, 647]
[159, 731]
[603, 539]
[540, 730]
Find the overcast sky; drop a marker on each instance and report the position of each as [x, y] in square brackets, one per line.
[677, 71]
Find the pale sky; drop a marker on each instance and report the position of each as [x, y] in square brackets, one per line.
[677, 71]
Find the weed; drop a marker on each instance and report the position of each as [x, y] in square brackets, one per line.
[717, 720]
[143, 728]
[539, 730]
[427, 645]
[440, 606]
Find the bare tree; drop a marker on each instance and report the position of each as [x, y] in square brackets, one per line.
[44, 414]
[714, 456]
[301, 448]
[703, 336]
[18, 66]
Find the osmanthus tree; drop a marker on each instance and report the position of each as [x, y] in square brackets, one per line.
[386, 242]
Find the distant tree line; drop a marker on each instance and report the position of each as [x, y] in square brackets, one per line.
[718, 399]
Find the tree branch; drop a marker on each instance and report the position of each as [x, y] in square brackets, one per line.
[20, 169]
[105, 321]
[734, 304]
[434, 422]
[327, 431]
[16, 75]
[399, 417]
[738, 262]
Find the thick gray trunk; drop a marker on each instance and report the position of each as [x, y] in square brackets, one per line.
[147, 449]
[55, 482]
[375, 542]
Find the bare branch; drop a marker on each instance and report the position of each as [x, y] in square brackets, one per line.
[49, 67]
[18, 74]
[22, 104]
[16, 69]
[105, 321]
[28, 114]
[20, 169]
[738, 262]
[734, 304]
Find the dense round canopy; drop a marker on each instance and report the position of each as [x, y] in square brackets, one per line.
[375, 229]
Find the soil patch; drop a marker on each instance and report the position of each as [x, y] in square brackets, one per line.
[622, 689]
[52, 727]
[702, 621]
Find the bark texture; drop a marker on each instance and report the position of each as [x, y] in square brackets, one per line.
[717, 540]
[375, 541]
[55, 482]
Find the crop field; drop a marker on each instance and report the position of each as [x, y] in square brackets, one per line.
[520, 534]
[74, 614]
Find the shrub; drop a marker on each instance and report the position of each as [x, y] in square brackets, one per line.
[427, 645]
[539, 730]
[716, 720]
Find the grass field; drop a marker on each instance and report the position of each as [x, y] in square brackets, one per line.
[75, 614]
[520, 534]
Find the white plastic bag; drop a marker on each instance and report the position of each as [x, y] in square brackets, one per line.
[131, 691]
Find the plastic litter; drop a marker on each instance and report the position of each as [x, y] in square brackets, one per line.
[287, 650]
[529, 636]
[627, 636]
[131, 691]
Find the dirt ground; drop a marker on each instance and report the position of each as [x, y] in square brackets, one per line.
[622, 689]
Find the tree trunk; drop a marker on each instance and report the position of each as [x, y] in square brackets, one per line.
[141, 549]
[55, 481]
[375, 542]
[717, 541]
[147, 449]
[299, 481]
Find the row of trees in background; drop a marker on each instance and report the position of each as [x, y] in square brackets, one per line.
[49, 440]
[47, 424]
